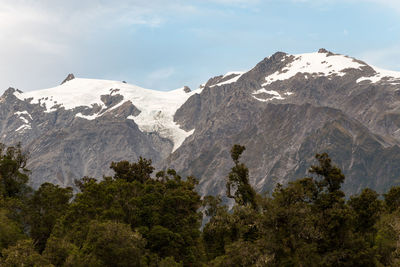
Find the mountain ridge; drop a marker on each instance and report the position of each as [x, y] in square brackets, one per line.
[285, 109]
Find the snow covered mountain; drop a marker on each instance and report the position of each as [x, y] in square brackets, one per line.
[284, 110]
[156, 108]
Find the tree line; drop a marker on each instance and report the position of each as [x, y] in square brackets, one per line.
[135, 218]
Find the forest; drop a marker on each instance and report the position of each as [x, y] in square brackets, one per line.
[141, 218]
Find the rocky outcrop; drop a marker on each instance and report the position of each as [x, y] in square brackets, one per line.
[68, 78]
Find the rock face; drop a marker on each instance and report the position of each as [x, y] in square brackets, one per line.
[284, 110]
[68, 78]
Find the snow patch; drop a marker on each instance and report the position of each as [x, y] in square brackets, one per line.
[23, 128]
[24, 120]
[314, 63]
[87, 117]
[392, 77]
[275, 94]
[233, 80]
[100, 113]
[20, 113]
[24, 116]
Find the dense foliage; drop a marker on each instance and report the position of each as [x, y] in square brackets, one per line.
[136, 219]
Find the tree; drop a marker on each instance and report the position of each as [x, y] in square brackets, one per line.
[288, 226]
[58, 249]
[10, 231]
[48, 204]
[169, 262]
[238, 180]
[23, 254]
[219, 232]
[243, 253]
[138, 171]
[332, 176]
[367, 208]
[110, 244]
[340, 241]
[13, 172]
[164, 211]
[387, 239]
[392, 199]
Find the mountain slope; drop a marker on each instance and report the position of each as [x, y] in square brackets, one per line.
[79, 127]
[284, 110]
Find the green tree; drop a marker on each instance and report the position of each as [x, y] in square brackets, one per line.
[23, 253]
[288, 224]
[332, 176]
[367, 208]
[243, 254]
[392, 199]
[238, 180]
[169, 262]
[387, 240]
[220, 230]
[164, 210]
[14, 192]
[10, 231]
[110, 244]
[58, 249]
[13, 172]
[137, 171]
[48, 204]
[341, 240]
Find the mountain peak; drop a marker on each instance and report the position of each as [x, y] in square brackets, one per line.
[10, 92]
[323, 63]
[323, 51]
[68, 78]
[278, 56]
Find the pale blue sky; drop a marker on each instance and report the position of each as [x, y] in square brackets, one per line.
[164, 44]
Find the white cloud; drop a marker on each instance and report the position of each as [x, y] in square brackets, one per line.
[39, 39]
[45, 24]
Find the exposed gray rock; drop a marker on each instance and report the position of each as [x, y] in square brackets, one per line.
[68, 78]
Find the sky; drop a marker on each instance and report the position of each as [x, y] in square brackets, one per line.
[166, 44]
